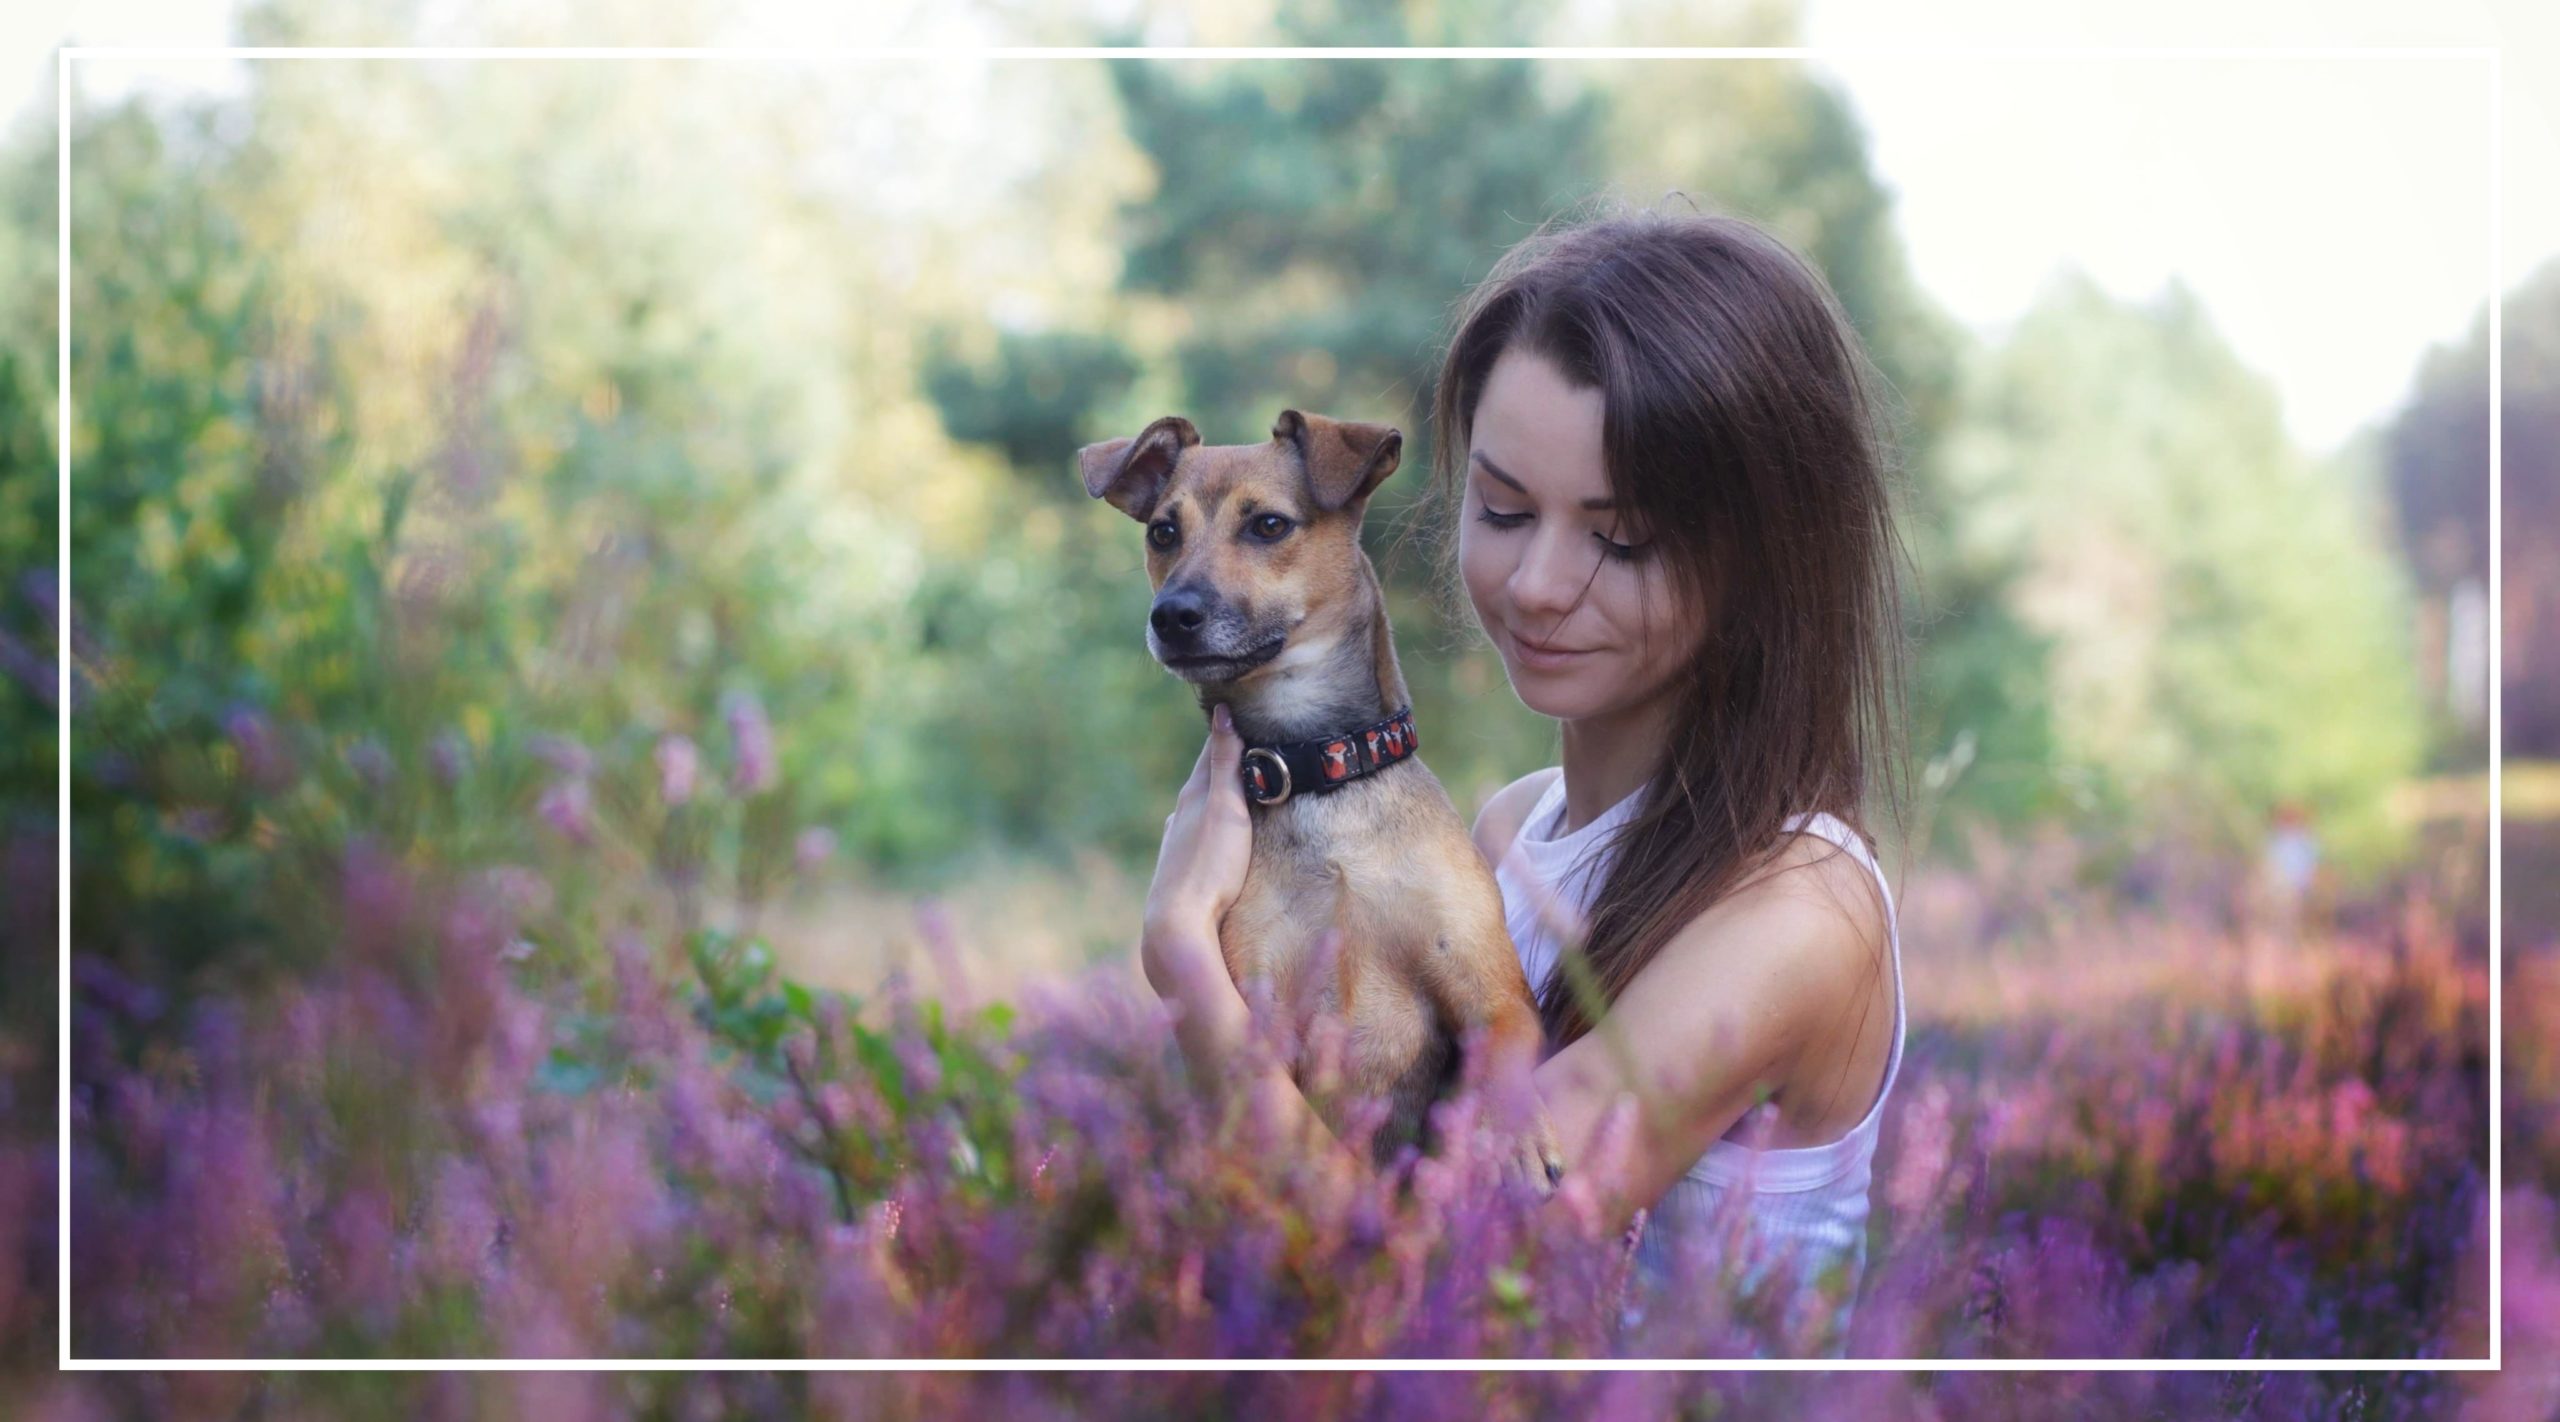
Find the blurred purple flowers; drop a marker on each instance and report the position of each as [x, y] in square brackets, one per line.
[678, 762]
[265, 762]
[751, 743]
[372, 764]
[448, 756]
[485, 1127]
[813, 848]
[417, 1147]
[568, 806]
[564, 754]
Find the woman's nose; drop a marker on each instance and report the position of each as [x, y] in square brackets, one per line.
[1549, 578]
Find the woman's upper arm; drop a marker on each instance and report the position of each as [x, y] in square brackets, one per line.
[1711, 1026]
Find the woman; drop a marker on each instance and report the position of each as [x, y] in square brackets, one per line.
[1672, 521]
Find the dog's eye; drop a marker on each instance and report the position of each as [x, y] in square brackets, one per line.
[1162, 534]
[1270, 526]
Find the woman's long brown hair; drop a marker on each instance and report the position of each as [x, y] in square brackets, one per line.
[1744, 433]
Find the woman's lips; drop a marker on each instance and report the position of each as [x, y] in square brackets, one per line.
[1533, 654]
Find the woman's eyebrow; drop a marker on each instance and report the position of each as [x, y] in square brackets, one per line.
[1496, 471]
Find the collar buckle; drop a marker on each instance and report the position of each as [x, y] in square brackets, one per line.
[1266, 776]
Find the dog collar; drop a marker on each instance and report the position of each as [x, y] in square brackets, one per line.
[1273, 773]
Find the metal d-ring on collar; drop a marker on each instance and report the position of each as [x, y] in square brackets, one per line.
[1260, 772]
[1273, 773]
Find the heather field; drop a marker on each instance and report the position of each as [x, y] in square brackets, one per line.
[493, 1126]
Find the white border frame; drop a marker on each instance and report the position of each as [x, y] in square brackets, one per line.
[2497, 698]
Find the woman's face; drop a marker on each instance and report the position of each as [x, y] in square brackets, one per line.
[1546, 568]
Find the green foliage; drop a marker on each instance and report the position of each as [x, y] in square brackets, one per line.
[1316, 221]
[521, 483]
[938, 1077]
[2224, 631]
[30, 513]
[1036, 401]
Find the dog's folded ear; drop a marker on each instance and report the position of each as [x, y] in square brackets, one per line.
[1131, 473]
[1344, 459]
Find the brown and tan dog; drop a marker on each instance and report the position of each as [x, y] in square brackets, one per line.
[1266, 601]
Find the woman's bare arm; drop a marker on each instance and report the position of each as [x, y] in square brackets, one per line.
[1712, 1026]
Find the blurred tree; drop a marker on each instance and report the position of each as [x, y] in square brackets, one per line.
[543, 430]
[183, 478]
[1037, 398]
[30, 557]
[1316, 221]
[2436, 461]
[2226, 632]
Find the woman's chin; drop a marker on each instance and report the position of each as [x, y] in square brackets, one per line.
[1540, 693]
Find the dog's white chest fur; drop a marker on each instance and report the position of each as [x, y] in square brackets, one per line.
[1298, 684]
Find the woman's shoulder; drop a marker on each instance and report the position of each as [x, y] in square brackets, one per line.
[1806, 922]
[1817, 887]
[1810, 925]
[1499, 822]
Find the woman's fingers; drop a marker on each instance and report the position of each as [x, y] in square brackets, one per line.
[1224, 756]
[1199, 769]
[1220, 756]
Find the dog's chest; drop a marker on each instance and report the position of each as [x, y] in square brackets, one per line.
[1373, 866]
[1311, 836]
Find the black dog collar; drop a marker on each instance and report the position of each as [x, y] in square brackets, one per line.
[1274, 773]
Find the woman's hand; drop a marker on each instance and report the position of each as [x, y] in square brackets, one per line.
[1208, 843]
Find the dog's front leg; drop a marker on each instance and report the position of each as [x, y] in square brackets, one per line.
[1479, 989]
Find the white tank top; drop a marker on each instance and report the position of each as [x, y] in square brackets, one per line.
[1807, 1204]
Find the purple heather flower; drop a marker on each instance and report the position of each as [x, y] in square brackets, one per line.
[516, 890]
[202, 823]
[264, 761]
[43, 587]
[359, 1232]
[751, 738]
[30, 670]
[110, 987]
[449, 756]
[562, 753]
[677, 763]
[568, 808]
[371, 763]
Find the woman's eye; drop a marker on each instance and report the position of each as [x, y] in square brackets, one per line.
[1623, 552]
[1163, 534]
[1504, 520]
[1270, 526]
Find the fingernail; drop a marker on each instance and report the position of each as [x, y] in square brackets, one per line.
[1225, 723]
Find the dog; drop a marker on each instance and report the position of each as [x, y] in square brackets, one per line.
[1264, 600]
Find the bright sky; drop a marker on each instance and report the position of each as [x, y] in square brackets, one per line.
[2333, 215]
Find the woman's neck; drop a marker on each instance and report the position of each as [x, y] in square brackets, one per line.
[1607, 758]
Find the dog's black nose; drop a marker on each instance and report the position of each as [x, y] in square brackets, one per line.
[1178, 614]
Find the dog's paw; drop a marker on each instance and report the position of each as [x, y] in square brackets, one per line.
[1532, 1159]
